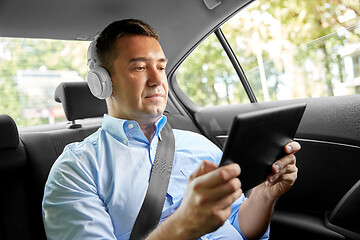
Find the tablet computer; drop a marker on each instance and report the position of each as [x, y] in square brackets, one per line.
[257, 139]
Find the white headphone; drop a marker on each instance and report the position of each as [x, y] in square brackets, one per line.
[98, 79]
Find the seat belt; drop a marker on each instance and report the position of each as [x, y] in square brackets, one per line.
[151, 209]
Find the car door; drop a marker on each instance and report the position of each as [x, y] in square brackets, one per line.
[328, 164]
[324, 201]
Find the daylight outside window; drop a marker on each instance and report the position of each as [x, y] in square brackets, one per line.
[30, 71]
[288, 49]
[208, 77]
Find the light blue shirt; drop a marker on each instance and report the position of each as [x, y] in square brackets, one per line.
[96, 187]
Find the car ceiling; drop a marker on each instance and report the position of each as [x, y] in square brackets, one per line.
[181, 24]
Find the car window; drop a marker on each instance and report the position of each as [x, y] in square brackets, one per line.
[208, 77]
[30, 71]
[287, 49]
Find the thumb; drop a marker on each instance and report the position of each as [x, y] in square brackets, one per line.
[204, 167]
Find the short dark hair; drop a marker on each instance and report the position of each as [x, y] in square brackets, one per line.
[115, 30]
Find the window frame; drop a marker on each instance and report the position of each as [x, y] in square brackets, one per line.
[185, 100]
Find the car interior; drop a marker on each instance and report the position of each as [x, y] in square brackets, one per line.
[323, 203]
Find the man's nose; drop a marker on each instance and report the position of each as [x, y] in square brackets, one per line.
[156, 76]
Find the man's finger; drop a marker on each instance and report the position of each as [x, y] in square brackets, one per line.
[289, 175]
[204, 167]
[219, 176]
[282, 163]
[224, 190]
[230, 199]
[292, 147]
[283, 166]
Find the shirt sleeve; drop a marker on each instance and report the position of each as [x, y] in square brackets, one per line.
[72, 208]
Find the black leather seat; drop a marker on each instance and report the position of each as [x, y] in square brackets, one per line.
[43, 148]
[78, 102]
[14, 207]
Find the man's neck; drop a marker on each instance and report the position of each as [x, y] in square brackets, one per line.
[146, 123]
[148, 130]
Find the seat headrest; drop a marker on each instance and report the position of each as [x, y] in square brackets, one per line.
[8, 132]
[78, 102]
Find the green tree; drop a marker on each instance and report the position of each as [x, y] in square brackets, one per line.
[204, 71]
[8, 92]
[277, 26]
[271, 28]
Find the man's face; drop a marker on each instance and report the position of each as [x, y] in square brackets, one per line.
[140, 85]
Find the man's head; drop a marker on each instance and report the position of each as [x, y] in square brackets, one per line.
[129, 50]
[105, 42]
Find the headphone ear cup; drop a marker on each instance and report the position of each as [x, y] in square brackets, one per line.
[99, 82]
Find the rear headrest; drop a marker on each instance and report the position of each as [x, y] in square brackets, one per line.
[78, 102]
[8, 132]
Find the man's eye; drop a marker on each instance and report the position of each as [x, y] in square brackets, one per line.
[140, 68]
[162, 68]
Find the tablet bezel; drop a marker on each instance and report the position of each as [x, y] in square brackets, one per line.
[257, 139]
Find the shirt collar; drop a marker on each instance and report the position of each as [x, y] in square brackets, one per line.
[119, 128]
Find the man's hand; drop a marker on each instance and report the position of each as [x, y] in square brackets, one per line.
[206, 204]
[284, 173]
[208, 198]
[255, 213]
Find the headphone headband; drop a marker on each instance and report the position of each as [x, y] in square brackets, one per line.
[92, 59]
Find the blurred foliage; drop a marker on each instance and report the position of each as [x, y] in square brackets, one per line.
[276, 32]
[25, 54]
[207, 69]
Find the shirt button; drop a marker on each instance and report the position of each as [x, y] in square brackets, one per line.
[130, 126]
[125, 141]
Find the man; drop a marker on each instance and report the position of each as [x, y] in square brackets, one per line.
[95, 189]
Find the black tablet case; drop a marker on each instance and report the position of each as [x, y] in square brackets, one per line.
[257, 140]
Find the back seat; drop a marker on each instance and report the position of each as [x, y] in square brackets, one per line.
[14, 207]
[43, 148]
[25, 164]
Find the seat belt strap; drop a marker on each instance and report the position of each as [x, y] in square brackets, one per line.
[151, 208]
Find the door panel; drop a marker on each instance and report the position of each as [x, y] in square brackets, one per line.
[329, 161]
[287, 225]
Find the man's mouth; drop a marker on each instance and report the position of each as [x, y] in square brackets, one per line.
[156, 95]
